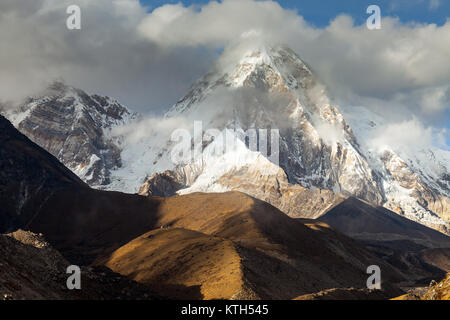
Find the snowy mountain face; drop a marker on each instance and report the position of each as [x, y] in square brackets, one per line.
[416, 180]
[319, 150]
[73, 126]
[273, 88]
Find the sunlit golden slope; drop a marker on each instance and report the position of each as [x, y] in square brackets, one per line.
[230, 245]
[440, 291]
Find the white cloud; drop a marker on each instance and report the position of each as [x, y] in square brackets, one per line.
[150, 59]
[406, 135]
[409, 134]
[149, 127]
[106, 56]
[218, 24]
[435, 99]
[400, 64]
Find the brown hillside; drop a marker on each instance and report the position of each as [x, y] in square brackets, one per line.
[182, 263]
[252, 248]
[280, 257]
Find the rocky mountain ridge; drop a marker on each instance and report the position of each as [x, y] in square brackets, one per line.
[74, 126]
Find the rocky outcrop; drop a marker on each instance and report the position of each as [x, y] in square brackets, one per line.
[438, 291]
[293, 199]
[434, 291]
[262, 180]
[426, 196]
[31, 269]
[164, 184]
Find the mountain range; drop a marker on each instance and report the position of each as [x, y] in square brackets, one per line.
[196, 246]
[325, 154]
[303, 222]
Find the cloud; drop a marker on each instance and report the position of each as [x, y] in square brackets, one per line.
[411, 134]
[435, 99]
[218, 24]
[149, 59]
[404, 65]
[106, 56]
[148, 127]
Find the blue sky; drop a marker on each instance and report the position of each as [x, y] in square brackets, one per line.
[319, 13]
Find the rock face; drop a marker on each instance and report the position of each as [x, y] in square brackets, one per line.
[274, 88]
[270, 185]
[73, 126]
[415, 180]
[164, 184]
[293, 199]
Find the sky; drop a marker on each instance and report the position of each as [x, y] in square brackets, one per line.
[321, 12]
[148, 53]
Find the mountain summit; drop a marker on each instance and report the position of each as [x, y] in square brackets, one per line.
[271, 87]
[73, 125]
[274, 88]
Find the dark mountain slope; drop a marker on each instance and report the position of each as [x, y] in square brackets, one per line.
[31, 269]
[363, 221]
[38, 193]
[29, 175]
[409, 246]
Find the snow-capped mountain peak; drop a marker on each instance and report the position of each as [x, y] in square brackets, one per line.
[271, 87]
[73, 126]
